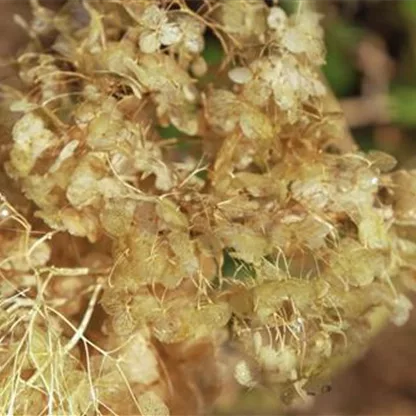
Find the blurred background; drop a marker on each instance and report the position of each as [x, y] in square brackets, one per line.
[371, 67]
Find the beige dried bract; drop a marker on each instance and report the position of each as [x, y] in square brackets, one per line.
[171, 228]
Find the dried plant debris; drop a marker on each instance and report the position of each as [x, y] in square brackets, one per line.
[132, 264]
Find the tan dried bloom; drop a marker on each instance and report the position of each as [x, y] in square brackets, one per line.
[168, 213]
[158, 30]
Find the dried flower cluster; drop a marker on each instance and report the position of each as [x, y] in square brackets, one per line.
[133, 266]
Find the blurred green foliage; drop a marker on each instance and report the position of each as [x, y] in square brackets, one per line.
[341, 39]
[213, 52]
[403, 105]
[385, 22]
[408, 10]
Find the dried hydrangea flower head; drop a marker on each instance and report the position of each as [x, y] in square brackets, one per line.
[145, 274]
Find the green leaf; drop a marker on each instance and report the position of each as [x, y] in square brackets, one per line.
[289, 6]
[213, 52]
[236, 268]
[408, 10]
[341, 40]
[339, 72]
[364, 138]
[169, 132]
[403, 105]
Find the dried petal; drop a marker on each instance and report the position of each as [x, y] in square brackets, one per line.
[401, 312]
[276, 19]
[149, 42]
[381, 160]
[153, 17]
[151, 404]
[171, 214]
[170, 33]
[372, 231]
[240, 75]
[67, 152]
[244, 375]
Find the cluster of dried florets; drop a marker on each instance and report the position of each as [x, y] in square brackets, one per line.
[249, 233]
